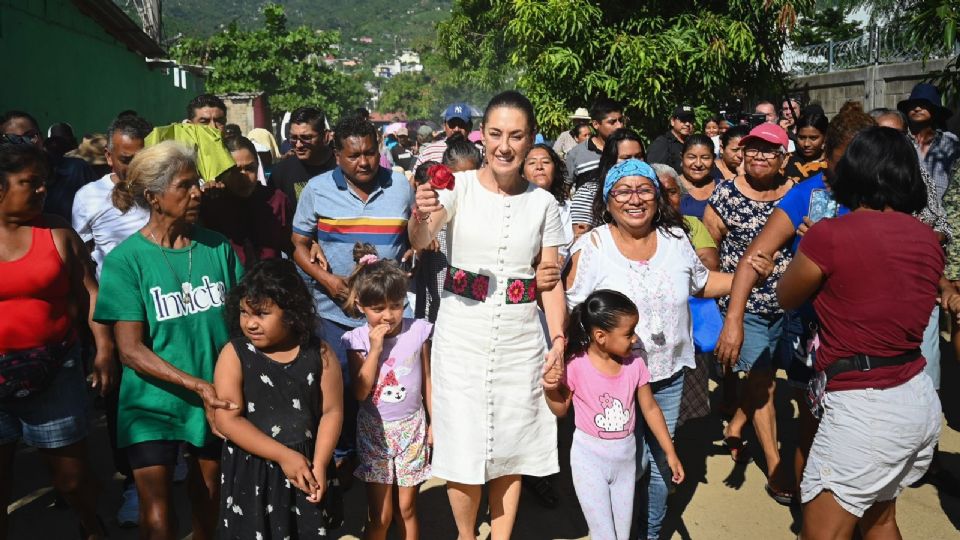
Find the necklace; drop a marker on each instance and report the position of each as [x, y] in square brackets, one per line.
[185, 287]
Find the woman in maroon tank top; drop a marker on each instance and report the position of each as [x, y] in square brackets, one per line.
[46, 296]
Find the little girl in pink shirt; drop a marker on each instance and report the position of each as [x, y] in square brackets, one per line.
[602, 377]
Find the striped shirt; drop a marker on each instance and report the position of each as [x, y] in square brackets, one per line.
[330, 212]
[581, 205]
[583, 163]
[431, 152]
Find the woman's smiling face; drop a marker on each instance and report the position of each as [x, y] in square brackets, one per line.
[507, 138]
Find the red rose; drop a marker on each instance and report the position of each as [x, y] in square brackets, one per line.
[441, 177]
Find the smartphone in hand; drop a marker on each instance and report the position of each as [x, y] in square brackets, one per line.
[822, 205]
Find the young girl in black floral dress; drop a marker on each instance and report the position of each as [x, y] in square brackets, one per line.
[289, 387]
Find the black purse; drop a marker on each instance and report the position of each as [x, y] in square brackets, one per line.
[30, 371]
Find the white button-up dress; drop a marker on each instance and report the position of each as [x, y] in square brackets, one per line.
[490, 418]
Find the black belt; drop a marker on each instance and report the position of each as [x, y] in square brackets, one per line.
[863, 362]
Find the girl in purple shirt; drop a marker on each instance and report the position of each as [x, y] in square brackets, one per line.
[604, 374]
[389, 359]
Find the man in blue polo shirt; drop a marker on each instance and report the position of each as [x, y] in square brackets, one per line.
[358, 201]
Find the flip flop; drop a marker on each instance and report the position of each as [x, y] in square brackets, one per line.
[785, 498]
[739, 452]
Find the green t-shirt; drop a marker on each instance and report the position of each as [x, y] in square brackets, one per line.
[699, 235]
[143, 282]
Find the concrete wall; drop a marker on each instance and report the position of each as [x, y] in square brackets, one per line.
[61, 66]
[247, 110]
[875, 86]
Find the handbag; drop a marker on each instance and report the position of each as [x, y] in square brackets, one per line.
[707, 323]
[30, 371]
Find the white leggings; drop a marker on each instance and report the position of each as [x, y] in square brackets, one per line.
[604, 477]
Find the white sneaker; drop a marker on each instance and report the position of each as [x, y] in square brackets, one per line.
[129, 513]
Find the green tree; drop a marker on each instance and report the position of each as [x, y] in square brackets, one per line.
[651, 55]
[410, 93]
[285, 64]
[824, 25]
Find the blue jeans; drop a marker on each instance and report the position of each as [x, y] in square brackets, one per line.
[346, 446]
[667, 393]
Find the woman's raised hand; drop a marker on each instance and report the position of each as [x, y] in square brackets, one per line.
[427, 199]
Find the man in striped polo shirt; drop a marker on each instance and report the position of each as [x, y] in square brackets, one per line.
[358, 201]
[583, 161]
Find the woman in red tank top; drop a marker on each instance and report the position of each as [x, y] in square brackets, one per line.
[47, 284]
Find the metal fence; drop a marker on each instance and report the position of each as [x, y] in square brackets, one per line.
[877, 45]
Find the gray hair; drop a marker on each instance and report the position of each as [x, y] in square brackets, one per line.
[662, 168]
[880, 112]
[151, 171]
[131, 126]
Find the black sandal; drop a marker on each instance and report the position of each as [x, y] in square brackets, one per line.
[543, 489]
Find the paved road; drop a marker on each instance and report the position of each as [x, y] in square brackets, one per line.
[719, 500]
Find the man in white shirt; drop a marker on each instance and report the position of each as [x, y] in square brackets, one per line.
[98, 222]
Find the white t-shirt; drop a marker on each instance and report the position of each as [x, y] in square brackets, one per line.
[660, 288]
[96, 218]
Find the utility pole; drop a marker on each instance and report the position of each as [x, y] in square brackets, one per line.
[150, 16]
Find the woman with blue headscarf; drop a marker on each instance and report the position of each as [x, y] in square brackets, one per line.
[642, 251]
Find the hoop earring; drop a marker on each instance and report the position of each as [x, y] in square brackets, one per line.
[657, 217]
[606, 217]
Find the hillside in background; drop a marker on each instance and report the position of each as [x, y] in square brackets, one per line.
[389, 23]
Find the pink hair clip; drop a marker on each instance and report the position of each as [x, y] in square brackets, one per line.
[368, 259]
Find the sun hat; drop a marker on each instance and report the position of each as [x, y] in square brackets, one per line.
[925, 94]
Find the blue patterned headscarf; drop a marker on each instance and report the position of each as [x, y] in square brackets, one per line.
[630, 167]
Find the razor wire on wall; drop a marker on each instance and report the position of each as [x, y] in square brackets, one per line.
[877, 45]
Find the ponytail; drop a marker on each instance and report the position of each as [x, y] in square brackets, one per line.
[122, 196]
[602, 310]
[578, 338]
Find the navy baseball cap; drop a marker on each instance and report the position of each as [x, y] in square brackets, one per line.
[457, 110]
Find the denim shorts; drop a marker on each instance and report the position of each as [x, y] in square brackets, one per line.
[762, 335]
[54, 418]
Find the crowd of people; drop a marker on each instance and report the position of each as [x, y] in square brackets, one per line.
[268, 322]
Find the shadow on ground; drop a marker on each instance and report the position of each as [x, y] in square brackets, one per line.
[34, 513]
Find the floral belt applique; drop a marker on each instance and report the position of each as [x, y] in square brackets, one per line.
[474, 286]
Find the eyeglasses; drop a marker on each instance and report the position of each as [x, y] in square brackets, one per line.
[624, 195]
[303, 140]
[756, 152]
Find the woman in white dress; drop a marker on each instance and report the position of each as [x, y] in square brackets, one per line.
[490, 420]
